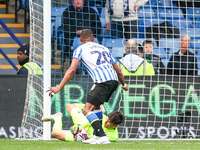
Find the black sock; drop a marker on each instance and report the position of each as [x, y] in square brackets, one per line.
[98, 130]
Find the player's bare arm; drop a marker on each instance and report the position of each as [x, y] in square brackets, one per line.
[120, 77]
[68, 75]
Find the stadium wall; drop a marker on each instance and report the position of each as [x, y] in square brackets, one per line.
[154, 110]
[12, 98]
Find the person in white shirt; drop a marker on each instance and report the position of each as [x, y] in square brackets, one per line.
[121, 17]
[105, 73]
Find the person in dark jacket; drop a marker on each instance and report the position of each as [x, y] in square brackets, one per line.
[26, 66]
[76, 18]
[152, 58]
[183, 62]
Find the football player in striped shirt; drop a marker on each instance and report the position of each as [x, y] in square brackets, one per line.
[105, 73]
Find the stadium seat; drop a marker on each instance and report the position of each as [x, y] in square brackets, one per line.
[161, 53]
[77, 42]
[197, 23]
[22, 4]
[193, 13]
[117, 52]
[141, 40]
[193, 33]
[151, 3]
[145, 23]
[56, 17]
[146, 12]
[108, 42]
[195, 44]
[182, 23]
[169, 13]
[57, 11]
[173, 50]
[165, 3]
[169, 43]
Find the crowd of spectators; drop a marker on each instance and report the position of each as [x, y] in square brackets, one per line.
[122, 21]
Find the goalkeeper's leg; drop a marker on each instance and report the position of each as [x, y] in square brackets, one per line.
[57, 131]
[77, 115]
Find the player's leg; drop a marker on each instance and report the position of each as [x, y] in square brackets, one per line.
[94, 116]
[98, 95]
[57, 131]
[77, 115]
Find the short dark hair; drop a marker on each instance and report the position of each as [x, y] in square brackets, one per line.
[116, 117]
[147, 42]
[86, 33]
[140, 49]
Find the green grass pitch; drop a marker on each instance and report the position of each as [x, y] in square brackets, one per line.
[12, 144]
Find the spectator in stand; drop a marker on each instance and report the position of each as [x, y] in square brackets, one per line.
[123, 12]
[76, 18]
[183, 62]
[132, 62]
[26, 66]
[152, 58]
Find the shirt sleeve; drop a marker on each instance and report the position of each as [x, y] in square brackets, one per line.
[78, 53]
[112, 59]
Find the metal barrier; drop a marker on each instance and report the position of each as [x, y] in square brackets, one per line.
[15, 38]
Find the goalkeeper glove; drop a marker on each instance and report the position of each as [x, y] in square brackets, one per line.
[75, 128]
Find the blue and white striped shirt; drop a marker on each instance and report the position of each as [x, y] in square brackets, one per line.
[98, 61]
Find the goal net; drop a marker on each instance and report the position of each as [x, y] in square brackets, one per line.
[32, 125]
[163, 104]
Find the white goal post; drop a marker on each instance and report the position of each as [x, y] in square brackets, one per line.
[38, 102]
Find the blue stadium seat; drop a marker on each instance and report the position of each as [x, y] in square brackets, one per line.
[165, 3]
[193, 13]
[170, 13]
[182, 23]
[197, 23]
[169, 43]
[151, 3]
[57, 11]
[141, 40]
[56, 17]
[108, 42]
[193, 33]
[22, 4]
[173, 50]
[146, 12]
[117, 52]
[195, 44]
[145, 23]
[160, 52]
[77, 42]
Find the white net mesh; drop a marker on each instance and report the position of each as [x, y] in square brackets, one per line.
[165, 105]
[32, 125]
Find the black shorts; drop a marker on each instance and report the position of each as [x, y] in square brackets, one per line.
[101, 92]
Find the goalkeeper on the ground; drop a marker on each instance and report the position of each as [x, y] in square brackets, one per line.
[109, 123]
